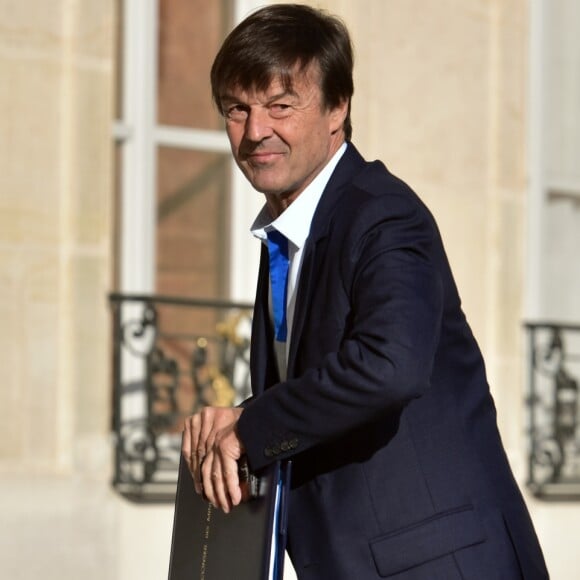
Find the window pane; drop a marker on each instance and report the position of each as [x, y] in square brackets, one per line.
[192, 226]
[117, 217]
[190, 33]
[563, 94]
[119, 38]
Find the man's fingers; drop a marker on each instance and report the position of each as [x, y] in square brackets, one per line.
[186, 444]
[211, 448]
[220, 482]
[220, 491]
[209, 475]
[232, 482]
[197, 462]
[225, 491]
[196, 473]
[193, 448]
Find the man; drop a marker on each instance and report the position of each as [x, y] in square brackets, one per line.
[375, 388]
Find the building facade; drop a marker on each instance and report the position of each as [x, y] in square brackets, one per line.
[115, 177]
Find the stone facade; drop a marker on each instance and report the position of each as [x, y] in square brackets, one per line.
[441, 96]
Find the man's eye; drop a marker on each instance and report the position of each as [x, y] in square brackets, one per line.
[279, 109]
[236, 112]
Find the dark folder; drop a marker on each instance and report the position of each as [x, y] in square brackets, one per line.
[210, 545]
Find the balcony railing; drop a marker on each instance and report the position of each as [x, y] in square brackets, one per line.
[554, 452]
[171, 357]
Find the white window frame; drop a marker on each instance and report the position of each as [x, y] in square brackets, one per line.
[139, 135]
[541, 182]
[537, 182]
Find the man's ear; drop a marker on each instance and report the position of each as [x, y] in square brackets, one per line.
[338, 115]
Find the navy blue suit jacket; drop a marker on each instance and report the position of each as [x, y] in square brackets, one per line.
[398, 467]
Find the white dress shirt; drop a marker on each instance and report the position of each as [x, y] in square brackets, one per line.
[294, 223]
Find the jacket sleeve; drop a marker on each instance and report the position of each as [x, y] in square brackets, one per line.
[385, 353]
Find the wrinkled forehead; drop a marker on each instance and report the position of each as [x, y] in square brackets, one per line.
[272, 79]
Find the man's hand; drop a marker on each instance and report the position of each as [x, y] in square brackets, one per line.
[212, 448]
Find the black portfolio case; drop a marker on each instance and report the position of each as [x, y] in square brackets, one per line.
[208, 544]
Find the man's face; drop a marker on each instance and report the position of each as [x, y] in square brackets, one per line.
[282, 139]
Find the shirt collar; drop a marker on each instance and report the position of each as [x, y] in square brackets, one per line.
[295, 221]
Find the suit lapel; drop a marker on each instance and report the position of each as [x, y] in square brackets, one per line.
[262, 358]
[263, 369]
[350, 163]
[302, 303]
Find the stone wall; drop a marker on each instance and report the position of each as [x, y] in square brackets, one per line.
[441, 97]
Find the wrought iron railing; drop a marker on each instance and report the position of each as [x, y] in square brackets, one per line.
[554, 426]
[171, 356]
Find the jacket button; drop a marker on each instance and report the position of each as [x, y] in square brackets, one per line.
[285, 445]
[293, 443]
[268, 452]
[276, 450]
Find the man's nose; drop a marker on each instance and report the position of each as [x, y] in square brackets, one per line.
[258, 124]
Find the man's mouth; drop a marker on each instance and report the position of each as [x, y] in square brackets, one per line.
[262, 157]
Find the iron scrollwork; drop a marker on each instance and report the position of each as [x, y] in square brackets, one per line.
[553, 403]
[172, 356]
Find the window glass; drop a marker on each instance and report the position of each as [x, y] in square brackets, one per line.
[562, 87]
[192, 228]
[190, 33]
[118, 102]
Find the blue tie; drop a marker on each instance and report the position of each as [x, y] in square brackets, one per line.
[278, 251]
